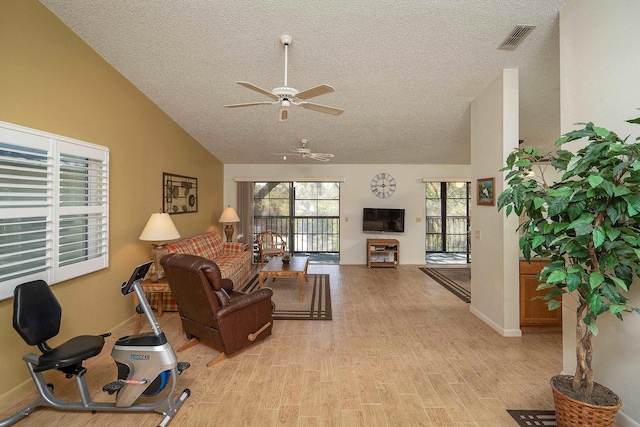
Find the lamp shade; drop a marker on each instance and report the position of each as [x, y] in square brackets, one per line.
[229, 215]
[159, 228]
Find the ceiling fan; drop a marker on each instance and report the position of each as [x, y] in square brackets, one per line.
[285, 95]
[305, 153]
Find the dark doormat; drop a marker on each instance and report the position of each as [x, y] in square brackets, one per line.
[533, 418]
[456, 280]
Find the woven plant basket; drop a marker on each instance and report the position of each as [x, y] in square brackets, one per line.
[574, 413]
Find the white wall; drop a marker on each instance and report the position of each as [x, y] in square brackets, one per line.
[494, 242]
[600, 82]
[355, 194]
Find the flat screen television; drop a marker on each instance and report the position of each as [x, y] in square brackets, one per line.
[383, 220]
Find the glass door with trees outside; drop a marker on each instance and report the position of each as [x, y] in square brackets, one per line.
[305, 214]
[447, 222]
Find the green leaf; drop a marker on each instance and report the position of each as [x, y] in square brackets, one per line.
[573, 163]
[590, 321]
[544, 285]
[556, 276]
[621, 191]
[601, 131]
[598, 237]
[573, 282]
[538, 202]
[553, 304]
[595, 180]
[523, 163]
[596, 303]
[558, 205]
[624, 273]
[595, 280]
[607, 186]
[610, 292]
[583, 229]
[561, 141]
[615, 308]
[537, 241]
[612, 233]
[636, 165]
[633, 200]
[620, 283]
[575, 209]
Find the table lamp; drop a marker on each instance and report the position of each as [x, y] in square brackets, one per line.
[158, 230]
[228, 216]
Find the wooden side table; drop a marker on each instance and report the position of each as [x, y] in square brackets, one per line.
[161, 287]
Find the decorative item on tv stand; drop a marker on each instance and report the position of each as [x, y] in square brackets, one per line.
[159, 230]
[587, 224]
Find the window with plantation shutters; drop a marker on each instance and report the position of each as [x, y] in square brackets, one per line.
[54, 194]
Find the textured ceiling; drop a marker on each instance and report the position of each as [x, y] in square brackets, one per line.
[404, 71]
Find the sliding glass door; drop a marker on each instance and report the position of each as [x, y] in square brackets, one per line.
[447, 222]
[306, 214]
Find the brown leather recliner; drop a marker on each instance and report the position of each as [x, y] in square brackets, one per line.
[211, 311]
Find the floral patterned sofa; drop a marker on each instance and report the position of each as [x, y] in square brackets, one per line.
[234, 262]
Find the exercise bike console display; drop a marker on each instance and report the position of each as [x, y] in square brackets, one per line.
[137, 276]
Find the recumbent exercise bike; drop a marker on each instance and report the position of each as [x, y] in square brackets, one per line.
[146, 363]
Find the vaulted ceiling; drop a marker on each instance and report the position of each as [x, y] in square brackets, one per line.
[404, 72]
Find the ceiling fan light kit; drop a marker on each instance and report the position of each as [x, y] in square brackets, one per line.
[286, 96]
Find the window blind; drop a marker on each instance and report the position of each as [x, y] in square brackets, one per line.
[54, 195]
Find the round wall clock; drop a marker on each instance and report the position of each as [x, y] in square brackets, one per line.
[383, 185]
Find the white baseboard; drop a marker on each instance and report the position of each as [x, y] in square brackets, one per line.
[623, 420]
[495, 326]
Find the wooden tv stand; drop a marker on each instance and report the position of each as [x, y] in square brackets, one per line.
[389, 249]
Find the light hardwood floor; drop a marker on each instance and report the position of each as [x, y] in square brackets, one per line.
[400, 351]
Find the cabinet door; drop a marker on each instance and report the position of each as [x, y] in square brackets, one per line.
[535, 312]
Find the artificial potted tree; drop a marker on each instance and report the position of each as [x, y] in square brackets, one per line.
[588, 225]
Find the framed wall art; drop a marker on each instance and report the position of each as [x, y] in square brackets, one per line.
[486, 195]
[180, 194]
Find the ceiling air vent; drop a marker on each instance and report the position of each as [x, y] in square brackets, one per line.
[514, 39]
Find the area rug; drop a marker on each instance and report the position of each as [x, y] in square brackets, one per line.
[533, 418]
[316, 293]
[456, 280]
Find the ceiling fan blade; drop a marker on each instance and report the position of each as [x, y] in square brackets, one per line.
[320, 159]
[259, 90]
[315, 91]
[323, 155]
[249, 104]
[321, 108]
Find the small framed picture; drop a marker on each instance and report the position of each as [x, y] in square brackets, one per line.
[486, 194]
[180, 194]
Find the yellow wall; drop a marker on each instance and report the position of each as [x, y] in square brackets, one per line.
[52, 81]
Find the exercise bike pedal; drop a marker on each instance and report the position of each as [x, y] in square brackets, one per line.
[114, 386]
[182, 366]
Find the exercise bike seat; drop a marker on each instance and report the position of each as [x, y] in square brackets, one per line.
[37, 316]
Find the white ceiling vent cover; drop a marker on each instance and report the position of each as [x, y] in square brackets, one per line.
[514, 39]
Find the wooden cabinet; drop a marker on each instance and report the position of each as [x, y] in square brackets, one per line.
[535, 312]
[383, 253]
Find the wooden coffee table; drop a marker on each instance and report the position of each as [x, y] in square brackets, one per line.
[297, 267]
